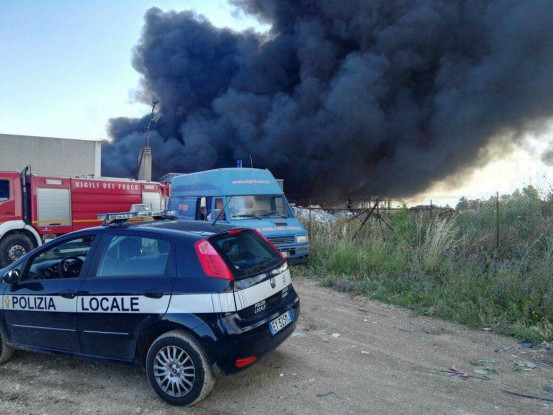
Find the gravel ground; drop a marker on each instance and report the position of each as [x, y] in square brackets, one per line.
[348, 355]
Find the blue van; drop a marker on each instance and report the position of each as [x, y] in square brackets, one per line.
[243, 197]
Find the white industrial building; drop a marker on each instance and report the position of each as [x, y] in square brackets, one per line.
[49, 156]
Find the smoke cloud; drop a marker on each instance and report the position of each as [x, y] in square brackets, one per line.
[343, 97]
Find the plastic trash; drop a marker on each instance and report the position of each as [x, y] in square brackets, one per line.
[526, 365]
[486, 361]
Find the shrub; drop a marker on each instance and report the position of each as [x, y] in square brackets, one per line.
[449, 266]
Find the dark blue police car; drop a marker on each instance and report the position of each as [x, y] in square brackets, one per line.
[185, 299]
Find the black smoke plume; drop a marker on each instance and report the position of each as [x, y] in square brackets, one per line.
[343, 97]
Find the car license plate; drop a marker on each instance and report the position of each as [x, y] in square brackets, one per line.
[280, 322]
[284, 254]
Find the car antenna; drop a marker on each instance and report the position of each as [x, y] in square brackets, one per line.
[221, 212]
[253, 177]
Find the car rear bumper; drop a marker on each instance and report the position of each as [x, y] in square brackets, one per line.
[239, 338]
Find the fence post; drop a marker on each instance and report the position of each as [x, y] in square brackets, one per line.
[497, 220]
[309, 225]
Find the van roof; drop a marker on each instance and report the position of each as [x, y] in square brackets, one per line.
[222, 182]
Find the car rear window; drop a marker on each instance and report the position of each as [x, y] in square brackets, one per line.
[245, 253]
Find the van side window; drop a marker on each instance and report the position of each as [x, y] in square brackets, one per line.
[218, 210]
[135, 256]
[4, 190]
[203, 208]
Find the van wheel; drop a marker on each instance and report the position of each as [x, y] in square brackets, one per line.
[178, 369]
[5, 351]
[13, 247]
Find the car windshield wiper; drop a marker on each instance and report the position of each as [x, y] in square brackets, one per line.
[247, 216]
[274, 213]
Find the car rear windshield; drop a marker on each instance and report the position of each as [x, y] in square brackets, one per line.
[245, 253]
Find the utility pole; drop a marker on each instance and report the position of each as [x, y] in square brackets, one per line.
[497, 220]
[144, 170]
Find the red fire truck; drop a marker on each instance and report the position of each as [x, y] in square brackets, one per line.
[35, 208]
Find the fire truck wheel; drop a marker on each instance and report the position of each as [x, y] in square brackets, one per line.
[13, 247]
[5, 350]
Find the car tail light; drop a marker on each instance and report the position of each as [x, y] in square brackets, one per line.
[245, 361]
[270, 243]
[234, 232]
[211, 262]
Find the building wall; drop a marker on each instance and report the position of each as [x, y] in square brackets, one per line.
[50, 156]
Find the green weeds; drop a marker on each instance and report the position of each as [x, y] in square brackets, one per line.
[448, 265]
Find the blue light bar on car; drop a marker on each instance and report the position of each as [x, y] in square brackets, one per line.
[122, 216]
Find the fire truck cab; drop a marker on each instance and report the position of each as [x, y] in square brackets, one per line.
[37, 208]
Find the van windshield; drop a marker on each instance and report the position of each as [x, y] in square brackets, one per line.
[258, 207]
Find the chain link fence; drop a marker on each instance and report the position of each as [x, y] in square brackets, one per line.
[491, 212]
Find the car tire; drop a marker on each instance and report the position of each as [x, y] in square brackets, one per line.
[169, 370]
[17, 242]
[5, 351]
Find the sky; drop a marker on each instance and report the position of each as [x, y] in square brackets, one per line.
[66, 65]
[66, 69]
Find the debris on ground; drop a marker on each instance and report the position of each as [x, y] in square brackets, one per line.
[300, 335]
[526, 365]
[317, 214]
[486, 328]
[548, 389]
[526, 396]
[527, 345]
[543, 364]
[364, 352]
[486, 361]
[324, 394]
[335, 335]
[454, 371]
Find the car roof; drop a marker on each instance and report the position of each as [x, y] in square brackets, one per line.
[176, 227]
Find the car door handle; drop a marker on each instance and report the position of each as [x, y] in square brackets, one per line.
[8, 213]
[153, 293]
[70, 294]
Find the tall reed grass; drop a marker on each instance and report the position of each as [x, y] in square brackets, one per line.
[449, 265]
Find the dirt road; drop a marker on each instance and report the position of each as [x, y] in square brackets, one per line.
[385, 360]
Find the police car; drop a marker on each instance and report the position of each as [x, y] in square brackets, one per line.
[184, 299]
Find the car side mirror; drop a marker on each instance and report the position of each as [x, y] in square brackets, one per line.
[12, 276]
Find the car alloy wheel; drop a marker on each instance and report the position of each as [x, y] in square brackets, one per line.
[178, 369]
[174, 371]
